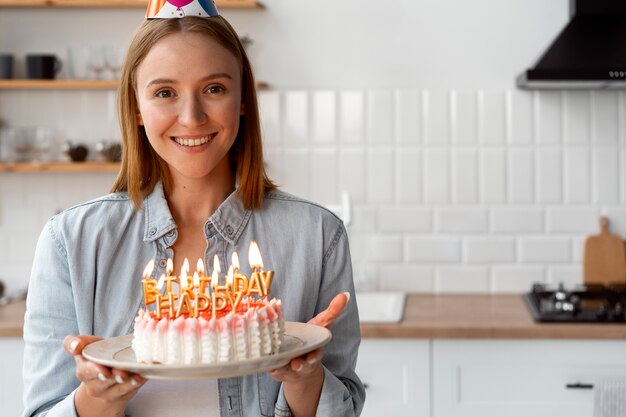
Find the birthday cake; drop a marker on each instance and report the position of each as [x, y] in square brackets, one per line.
[233, 321]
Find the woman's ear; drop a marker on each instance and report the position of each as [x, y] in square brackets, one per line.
[139, 119]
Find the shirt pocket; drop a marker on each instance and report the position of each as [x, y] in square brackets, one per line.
[268, 393]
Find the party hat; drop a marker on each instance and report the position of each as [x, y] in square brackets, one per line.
[170, 9]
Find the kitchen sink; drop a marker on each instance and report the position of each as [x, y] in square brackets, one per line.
[380, 307]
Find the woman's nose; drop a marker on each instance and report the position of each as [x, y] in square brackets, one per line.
[192, 112]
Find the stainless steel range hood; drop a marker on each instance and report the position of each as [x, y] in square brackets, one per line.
[589, 53]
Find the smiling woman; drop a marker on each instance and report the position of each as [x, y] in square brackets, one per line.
[192, 186]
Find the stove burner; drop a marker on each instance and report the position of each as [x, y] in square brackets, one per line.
[585, 304]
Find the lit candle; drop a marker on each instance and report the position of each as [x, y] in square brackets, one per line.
[203, 280]
[150, 290]
[260, 281]
[169, 278]
[240, 281]
[234, 296]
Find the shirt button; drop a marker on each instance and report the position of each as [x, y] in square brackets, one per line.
[229, 230]
[162, 263]
[152, 231]
[170, 234]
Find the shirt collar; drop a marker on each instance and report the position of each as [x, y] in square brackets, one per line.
[229, 220]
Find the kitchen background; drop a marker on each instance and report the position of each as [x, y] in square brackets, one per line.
[459, 181]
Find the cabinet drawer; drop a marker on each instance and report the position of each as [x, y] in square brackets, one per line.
[522, 378]
[397, 375]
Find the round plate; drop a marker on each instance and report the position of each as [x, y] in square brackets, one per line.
[116, 352]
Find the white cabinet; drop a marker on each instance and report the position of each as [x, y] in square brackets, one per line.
[11, 357]
[521, 378]
[397, 377]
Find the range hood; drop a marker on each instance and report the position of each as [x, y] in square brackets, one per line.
[589, 53]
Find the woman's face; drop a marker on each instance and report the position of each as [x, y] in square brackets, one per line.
[189, 98]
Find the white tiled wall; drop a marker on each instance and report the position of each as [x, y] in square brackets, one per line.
[452, 191]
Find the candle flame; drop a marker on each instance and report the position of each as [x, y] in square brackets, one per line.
[229, 276]
[161, 282]
[235, 261]
[216, 264]
[170, 266]
[183, 274]
[254, 256]
[200, 267]
[196, 279]
[148, 270]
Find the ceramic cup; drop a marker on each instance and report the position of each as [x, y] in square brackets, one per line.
[42, 66]
[6, 66]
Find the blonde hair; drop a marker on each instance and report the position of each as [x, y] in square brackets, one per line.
[141, 167]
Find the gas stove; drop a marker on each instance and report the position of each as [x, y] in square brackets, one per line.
[583, 304]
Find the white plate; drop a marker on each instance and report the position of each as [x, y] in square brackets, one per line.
[116, 352]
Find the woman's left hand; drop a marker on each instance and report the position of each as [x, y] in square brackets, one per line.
[309, 366]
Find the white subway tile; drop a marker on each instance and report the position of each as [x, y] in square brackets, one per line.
[296, 165]
[577, 176]
[436, 111]
[489, 249]
[464, 118]
[408, 175]
[352, 172]
[517, 220]
[464, 176]
[296, 118]
[380, 169]
[576, 117]
[404, 219]
[274, 165]
[465, 279]
[409, 278]
[461, 220]
[270, 114]
[323, 178]
[493, 172]
[433, 249]
[569, 276]
[547, 108]
[492, 118]
[384, 248]
[515, 279]
[22, 246]
[520, 110]
[545, 249]
[521, 178]
[578, 244]
[364, 219]
[572, 220]
[408, 112]
[605, 113]
[380, 118]
[352, 117]
[324, 120]
[622, 158]
[549, 179]
[436, 176]
[605, 175]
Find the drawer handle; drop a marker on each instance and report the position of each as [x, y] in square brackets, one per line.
[579, 385]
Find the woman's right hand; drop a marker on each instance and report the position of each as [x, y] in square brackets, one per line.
[103, 391]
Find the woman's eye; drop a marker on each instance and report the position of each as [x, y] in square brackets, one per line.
[164, 94]
[215, 89]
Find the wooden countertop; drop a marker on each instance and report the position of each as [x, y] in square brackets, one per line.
[429, 316]
[481, 316]
[12, 319]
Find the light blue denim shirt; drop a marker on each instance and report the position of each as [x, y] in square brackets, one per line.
[86, 279]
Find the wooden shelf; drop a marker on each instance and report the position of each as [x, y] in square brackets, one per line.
[60, 167]
[26, 84]
[221, 4]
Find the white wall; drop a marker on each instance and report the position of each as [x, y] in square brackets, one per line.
[460, 182]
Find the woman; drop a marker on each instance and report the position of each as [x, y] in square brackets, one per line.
[192, 185]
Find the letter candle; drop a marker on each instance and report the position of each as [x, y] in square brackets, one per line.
[240, 281]
[150, 291]
[169, 278]
[202, 278]
[234, 296]
[260, 280]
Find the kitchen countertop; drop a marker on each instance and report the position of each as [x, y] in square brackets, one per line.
[432, 316]
[481, 316]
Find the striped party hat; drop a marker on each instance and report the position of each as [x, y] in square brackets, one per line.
[171, 9]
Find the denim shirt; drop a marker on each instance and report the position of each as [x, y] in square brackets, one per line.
[86, 279]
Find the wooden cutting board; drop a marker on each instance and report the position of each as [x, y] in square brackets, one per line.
[604, 257]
